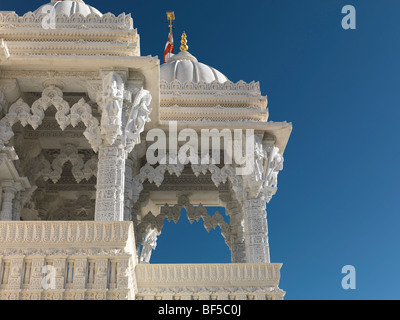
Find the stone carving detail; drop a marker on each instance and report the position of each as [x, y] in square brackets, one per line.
[120, 134]
[111, 107]
[221, 175]
[202, 87]
[153, 175]
[248, 231]
[120, 120]
[81, 111]
[238, 249]
[93, 18]
[256, 231]
[91, 249]
[275, 164]
[18, 236]
[55, 208]
[209, 281]
[214, 113]
[156, 175]
[150, 243]
[130, 162]
[52, 95]
[110, 184]
[210, 222]
[151, 224]
[138, 116]
[9, 192]
[20, 111]
[122, 38]
[253, 182]
[80, 170]
[195, 102]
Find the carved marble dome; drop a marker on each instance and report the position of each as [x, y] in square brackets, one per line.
[185, 67]
[69, 8]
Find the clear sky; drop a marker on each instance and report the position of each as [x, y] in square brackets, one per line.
[337, 202]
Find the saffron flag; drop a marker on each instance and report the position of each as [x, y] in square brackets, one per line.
[169, 46]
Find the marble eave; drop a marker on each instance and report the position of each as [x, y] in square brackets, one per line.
[279, 131]
[78, 62]
[126, 49]
[66, 30]
[230, 98]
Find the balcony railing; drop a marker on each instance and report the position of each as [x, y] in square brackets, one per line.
[97, 260]
[235, 281]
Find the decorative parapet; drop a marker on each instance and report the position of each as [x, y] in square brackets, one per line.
[212, 102]
[215, 88]
[78, 35]
[16, 236]
[91, 260]
[102, 257]
[11, 20]
[215, 113]
[236, 281]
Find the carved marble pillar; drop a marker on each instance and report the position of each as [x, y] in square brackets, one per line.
[111, 162]
[110, 184]
[256, 231]
[121, 125]
[16, 211]
[128, 200]
[259, 187]
[8, 196]
[238, 248]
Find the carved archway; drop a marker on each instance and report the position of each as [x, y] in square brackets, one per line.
[151, 223]
[20, 111]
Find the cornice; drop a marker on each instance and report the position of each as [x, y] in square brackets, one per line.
[202, 275]
[216, 113]
[204, 88]
[74, 48]
[64, 234]
[29, 19]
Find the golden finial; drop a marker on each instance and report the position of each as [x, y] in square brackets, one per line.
[184, 46]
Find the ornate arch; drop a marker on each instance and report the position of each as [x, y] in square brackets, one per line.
[51, 96]
[21, 112]
[151, 223]
[80, 169]
[81, 111]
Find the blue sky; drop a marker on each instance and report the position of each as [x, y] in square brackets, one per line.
[338, 201]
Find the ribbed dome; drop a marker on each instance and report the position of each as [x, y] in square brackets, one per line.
[185, 67]
[69, 8]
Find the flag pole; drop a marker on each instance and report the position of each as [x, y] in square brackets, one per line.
[169, 47]
[171, 19]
